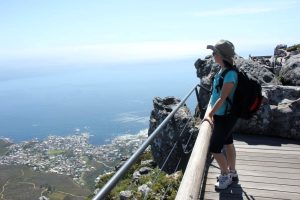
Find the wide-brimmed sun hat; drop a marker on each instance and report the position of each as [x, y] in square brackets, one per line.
[224, 48]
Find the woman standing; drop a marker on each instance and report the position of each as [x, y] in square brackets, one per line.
[219, 114]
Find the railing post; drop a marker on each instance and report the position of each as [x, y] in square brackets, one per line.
[197, 95]
[191, 182]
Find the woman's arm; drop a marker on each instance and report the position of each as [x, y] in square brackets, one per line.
[226, 89]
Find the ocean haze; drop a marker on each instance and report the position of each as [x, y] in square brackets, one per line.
[105, 101]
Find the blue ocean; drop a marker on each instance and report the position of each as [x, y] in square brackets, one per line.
[105, 101]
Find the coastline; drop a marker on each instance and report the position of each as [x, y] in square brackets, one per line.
[71, 155]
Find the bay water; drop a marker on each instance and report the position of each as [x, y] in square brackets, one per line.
[106, 100]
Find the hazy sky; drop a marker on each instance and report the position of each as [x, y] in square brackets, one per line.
[96, 31]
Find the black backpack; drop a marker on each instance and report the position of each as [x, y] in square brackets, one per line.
[247, 97]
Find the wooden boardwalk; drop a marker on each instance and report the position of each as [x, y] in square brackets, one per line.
[268, 168]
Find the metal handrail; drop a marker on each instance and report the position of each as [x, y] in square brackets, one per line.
[121, 172]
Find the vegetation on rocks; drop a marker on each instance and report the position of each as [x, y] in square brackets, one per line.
[295, 47]
[160, 185]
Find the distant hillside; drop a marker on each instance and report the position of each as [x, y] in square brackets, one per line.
[4, 143]
[3, 146]
[23, 183]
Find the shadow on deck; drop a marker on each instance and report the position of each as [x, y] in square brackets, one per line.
[268, 168]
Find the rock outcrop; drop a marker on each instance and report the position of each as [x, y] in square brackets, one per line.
[286, 64]
[279, 114]
[175, 140]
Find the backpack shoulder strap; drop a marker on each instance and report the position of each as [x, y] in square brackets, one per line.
[221, 79]
[220, 85]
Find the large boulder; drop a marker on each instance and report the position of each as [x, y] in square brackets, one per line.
[279, 114]
[290, 71]
[174, 142]
[258, 71]
[286, 64]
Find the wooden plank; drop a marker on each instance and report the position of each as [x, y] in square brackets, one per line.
[271, 153]
[268, 151]
[266, 147]
[258, 179]
[259, 173]
[260, 140]
[284, 169]
[255, 193]
[272, 157]
[243, 195]
[263, 186]
[283, 145]
[275, 168]
[224, 196]
[271, 150]
[262, 153]
[264, 163]
[263, 166]
[267, 159]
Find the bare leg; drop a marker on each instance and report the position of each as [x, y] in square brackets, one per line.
[231, 156]
[222, 162]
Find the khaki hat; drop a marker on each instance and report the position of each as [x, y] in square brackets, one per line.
[225, 48]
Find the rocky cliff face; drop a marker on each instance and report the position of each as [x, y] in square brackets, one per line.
[173, 145]
[286, 64]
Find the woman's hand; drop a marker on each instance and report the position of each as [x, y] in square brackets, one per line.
[209, 117]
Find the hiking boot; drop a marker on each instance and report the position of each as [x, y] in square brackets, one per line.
[234, 175]
[223, 182]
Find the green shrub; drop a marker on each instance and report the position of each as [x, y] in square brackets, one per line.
[159, 179]
[293, 48]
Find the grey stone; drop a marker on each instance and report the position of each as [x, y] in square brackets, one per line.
[144, 189]
[43, 198]
[148, 163]
[145, 170]
[136, 175]
[280, 50]
[126, 195]
[290, 71]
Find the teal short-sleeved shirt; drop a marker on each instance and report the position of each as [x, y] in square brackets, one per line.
[230, 76]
